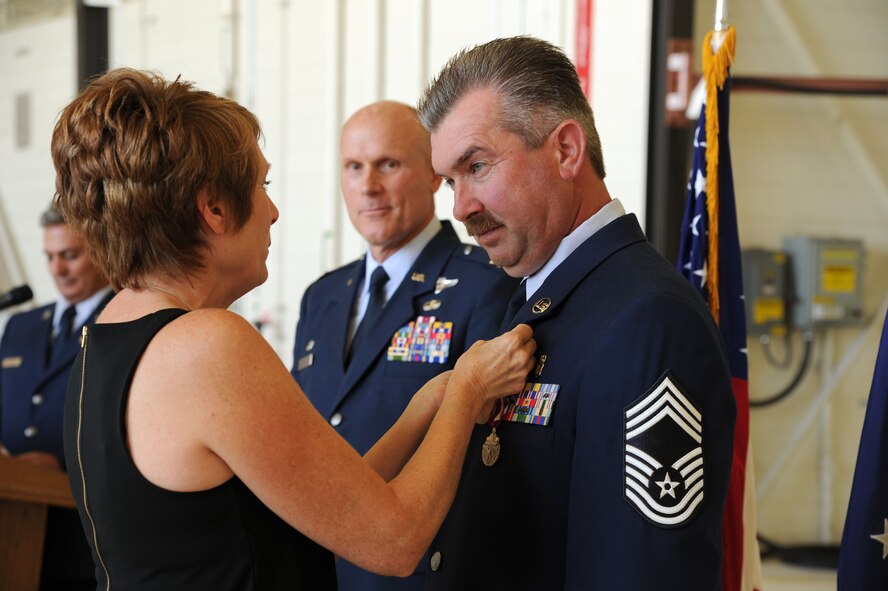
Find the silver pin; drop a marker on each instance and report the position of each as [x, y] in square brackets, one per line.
[443, 283]
[431, 305]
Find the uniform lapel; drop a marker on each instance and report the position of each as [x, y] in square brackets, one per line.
[33, 352]
[344, 300]
[615, 236]
[337, 314]
[402, 308]
[64, 362]
[37, 351]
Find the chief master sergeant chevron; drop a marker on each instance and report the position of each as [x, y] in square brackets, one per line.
[610, 470]
[363, 347]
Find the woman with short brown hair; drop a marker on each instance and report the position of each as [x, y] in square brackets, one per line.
[195, 459]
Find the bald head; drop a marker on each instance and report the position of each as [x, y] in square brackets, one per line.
[387, 175]
[389, 118]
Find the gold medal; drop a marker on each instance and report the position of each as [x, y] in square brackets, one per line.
[490, 451]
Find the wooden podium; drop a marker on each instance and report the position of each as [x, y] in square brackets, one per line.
[25, 493]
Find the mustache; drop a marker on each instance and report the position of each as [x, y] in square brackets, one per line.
[481, 222]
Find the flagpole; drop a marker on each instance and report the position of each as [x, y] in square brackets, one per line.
[722, 22]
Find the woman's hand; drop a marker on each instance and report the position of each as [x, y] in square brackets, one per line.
[496, 368]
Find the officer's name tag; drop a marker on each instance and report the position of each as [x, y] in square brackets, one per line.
[533, 405]
[424, 340]
[305, 361]
[10, 362]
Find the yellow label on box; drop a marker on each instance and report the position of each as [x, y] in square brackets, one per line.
[839, 278]
[765, 310]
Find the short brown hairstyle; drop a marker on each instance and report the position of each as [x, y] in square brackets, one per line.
[131, 153]
[537, 85]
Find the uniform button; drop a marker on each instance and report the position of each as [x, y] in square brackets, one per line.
[37, 399]
[310, 345]
[336, 419]
[30, 431]
[436, 561]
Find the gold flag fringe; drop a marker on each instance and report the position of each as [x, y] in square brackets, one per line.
[715, 71]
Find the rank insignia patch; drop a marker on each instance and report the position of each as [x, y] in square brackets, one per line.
[533, 405]
[664, 455]
[424, 340]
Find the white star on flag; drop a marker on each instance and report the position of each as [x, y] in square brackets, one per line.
[701, 273]
[694, 229]
[883, 538]
[699, 184]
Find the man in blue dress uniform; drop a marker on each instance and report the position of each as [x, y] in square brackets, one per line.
[610, 469]
[36, 353]
[371, 333]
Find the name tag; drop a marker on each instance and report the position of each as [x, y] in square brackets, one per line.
[305, 361]
[10, 362]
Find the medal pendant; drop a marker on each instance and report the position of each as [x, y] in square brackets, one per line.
[490, 451]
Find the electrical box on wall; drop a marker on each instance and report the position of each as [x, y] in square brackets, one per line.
[764, 288]
[826, 280]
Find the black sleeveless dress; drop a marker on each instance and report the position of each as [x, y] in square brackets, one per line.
[145, 537]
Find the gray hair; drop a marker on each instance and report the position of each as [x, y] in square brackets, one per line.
[537, 84]
[51, 217]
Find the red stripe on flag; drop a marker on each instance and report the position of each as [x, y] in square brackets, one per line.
[583, 45]
[732, 522]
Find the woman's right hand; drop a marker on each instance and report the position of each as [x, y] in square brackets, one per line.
[496, 368]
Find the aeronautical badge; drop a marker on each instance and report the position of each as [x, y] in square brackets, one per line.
[664, 455]
[442, 283]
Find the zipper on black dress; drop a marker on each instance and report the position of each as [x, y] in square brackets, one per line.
[80, 462]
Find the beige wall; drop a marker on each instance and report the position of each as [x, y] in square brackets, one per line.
[302, 67]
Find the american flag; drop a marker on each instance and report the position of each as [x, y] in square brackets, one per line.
[709, 256]
[863, 559]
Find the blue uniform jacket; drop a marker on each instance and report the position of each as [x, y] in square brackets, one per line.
[363, 401]
[556, 511]
[32, 393]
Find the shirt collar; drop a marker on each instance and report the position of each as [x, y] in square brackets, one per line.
[572, 241]
[83, 309]
[399, 264]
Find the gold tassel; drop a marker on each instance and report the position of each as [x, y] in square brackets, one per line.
[715, 71]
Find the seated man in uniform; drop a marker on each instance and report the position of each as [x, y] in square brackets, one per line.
[610, 470]
[371, 333]
[36, 352]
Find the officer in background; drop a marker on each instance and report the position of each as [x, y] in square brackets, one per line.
[36, 353]
[610, 470]
[371, 333]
